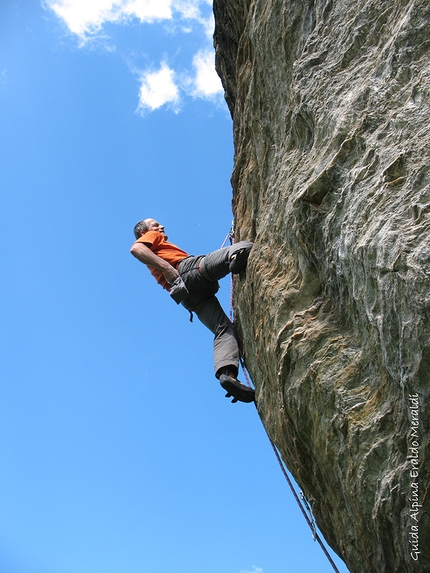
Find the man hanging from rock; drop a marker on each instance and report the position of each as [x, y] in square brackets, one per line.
[193, 282]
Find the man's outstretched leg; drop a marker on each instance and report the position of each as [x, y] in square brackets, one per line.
[226, 350]
[233, 259]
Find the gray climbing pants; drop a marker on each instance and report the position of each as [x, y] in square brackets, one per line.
[201, 275]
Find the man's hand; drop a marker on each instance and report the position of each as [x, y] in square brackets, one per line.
[147, 257]
[170, 274]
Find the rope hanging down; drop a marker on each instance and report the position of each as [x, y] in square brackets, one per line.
[309, 519]
[304, 507]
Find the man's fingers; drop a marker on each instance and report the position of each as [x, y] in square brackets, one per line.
[171, 275]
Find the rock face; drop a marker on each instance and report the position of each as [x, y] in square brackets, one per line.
[330, 105]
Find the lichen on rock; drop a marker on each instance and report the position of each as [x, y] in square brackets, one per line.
[330, 102]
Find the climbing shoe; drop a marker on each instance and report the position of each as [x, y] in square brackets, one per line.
[236, 389]
[239, 260]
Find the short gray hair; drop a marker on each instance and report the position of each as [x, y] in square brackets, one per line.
[139, 228]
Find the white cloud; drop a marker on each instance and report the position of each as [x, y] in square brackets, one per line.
[164, 86]
[85, 18]
[254, 570]
[206, 83]
[157, 89]
[189, 9]
[148, 10]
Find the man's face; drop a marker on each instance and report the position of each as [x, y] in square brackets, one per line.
[154, 225]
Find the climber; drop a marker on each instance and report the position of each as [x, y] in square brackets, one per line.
[193, 282]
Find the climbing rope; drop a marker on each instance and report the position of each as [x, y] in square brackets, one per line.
[309, 519]
[230, 236]
[303, 502]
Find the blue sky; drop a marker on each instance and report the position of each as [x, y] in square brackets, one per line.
[119, 452]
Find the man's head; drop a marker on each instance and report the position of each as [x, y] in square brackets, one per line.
[146, 225]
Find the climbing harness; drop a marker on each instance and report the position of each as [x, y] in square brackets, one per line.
[303, 503]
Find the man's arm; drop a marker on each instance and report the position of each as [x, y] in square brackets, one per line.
[147, 257]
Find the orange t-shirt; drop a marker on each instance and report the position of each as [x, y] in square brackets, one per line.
[169, 252]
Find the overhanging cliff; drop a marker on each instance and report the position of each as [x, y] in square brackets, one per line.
[330, 106]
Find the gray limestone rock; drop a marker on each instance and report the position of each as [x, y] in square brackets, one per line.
[330, 105]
